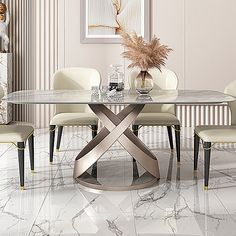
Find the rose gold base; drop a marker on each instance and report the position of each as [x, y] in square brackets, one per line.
[116, 128]
[139, 184]
[117, 188]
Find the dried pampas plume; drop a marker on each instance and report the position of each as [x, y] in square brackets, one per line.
[142, 54]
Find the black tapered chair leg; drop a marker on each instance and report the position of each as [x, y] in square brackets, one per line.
[51, 142]
[31, 152]
[95, 165]
[59, 134]
[169, 130]
[21, 160]
[196, 150]
[177, 140]
[94, 170]
[94, 130]
[135, 131]
[207, 156]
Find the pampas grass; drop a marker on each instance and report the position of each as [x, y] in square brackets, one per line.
[143, 54]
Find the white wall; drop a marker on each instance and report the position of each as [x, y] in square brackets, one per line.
[202, 34]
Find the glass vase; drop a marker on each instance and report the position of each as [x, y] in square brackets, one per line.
[144, 82]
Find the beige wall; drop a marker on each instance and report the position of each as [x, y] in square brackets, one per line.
[202, 34]
[98, 56]
[210, 48]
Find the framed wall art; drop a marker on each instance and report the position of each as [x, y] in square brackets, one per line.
[102, 21]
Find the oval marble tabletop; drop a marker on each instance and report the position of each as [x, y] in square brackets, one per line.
[124, 97]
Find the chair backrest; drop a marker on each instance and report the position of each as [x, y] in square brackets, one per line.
[231, 90]
[165, 80]
[75, 79]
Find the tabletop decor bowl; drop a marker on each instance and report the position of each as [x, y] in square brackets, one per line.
[144, 55]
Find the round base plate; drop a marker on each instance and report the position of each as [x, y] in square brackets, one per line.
[121, 175]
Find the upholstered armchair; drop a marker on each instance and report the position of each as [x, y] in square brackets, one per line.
[18, 135]
[73, 115]
[159, 115]
[212, 134]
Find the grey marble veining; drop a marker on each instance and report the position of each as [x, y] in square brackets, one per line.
[54, 204]
[125, 97]
[6, 84]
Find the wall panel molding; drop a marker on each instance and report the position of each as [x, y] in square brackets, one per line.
[19, 34]
[33, 32]
[193, 115]
[46, 45]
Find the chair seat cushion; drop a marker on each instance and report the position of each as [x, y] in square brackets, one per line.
[73, 119]
[155, 119]
[15, 133]
[217, 134]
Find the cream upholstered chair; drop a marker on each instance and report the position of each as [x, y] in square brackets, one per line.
[73, 115]
[212, 134]
[159, 115]
[18, 135]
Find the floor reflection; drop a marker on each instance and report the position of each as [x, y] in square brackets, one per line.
[54, 204]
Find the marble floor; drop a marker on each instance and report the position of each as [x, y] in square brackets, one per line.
[54, 204]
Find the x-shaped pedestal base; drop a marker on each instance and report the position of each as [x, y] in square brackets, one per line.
[116, 128]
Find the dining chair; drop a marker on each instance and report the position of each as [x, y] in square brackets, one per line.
[213, 134]
[73, 115]
[159, 115]
[18, 135]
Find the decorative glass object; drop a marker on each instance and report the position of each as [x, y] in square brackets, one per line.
[115, 96]
[116, 78]
[95, 91]
[144, 98]
[144, 82]
[104, 90]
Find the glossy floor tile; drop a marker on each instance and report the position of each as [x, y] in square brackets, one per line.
[55, 204]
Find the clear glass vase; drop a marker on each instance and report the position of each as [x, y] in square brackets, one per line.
[143, 82]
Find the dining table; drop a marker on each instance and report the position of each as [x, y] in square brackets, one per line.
[116, 127]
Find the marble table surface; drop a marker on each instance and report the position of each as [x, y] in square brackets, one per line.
[124, 97]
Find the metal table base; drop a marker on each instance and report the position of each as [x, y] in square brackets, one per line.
[116, 128]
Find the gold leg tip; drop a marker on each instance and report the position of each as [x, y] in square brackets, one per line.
[50, 162]
[33, 172]
[22, 188]
[178, 163]
[57, 150]
[206, 188]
